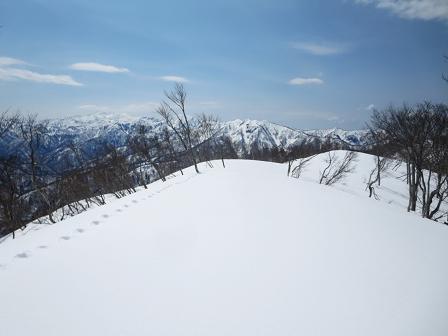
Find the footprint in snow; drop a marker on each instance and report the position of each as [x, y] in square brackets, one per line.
[66, 237]
[134, 201]
[80, 230]
[95, 222]
[105, 216]
[118, 210]
[42, 246]
[22, 255]
[126, 205]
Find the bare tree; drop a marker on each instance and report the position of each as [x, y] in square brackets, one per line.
[8, 121]
[400, 130]
[381, 165]
[336, 170]
[296, 167]
[434, 179]
[418, 135]
[171, 156]
[173, 113]
[207, 128]
[33, 134]
[13, 205]
[146, 147]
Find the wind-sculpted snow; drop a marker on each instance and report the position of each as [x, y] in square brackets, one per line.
[243, 250]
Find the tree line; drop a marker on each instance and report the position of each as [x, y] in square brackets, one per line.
[413, 136]
[418, 136]
[32, 185]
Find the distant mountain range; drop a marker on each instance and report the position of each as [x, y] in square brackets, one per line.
[90, 132]
[245, 135]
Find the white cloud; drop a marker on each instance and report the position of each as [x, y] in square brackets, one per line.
[97, 67]
[7, 61]
[320, 49]
[413, 9]
[177, 79]
[305, 81]
[11, 73]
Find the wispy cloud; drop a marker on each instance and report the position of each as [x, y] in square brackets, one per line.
[7, 61]
[97, 67]
[305, 81]
[141, 107]
[413, 9]
[321, 49]
[177, 79]
[9, 70]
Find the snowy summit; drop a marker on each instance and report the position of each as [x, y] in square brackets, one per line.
[242, 250]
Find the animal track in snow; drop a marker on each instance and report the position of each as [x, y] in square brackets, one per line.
[22, 255]
[42, 246]
[118, 210]
[80, 230]
[95, 222]
[66, 237]
[105, 216]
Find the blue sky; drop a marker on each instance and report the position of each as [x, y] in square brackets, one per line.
[307, 64]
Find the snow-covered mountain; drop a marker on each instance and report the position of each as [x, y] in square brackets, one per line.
[248, 138]
[245, 135]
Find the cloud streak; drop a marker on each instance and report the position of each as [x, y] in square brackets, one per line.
[97, 67]
[9, 71]
[7, 61]
[412, 9]
[177, 79]
[305, 81]
[320, 49]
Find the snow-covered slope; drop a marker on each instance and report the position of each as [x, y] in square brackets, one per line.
[243, 250]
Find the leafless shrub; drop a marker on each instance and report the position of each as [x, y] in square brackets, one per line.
[381, 165]
[335, 170]
[296, 167]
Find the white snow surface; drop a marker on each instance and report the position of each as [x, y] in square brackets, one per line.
[243, 250]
